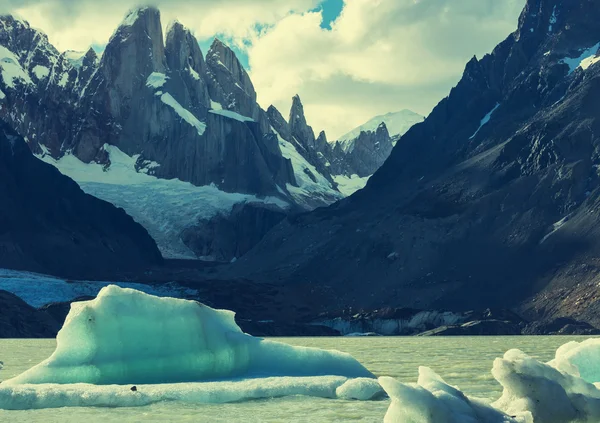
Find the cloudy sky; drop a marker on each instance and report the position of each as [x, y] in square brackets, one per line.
[348, 59]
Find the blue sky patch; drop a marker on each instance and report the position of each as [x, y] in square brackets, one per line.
[331, 9]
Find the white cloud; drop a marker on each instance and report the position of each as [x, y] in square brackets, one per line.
[76, 24]
[380, 56]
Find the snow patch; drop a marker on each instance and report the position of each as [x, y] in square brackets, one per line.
[231, 115]
[194, 74]
[215, 105]
[585, 60]
[555, 227]
[131, 17]
[183, 113]
[75, 58]
[308, 190]
[349, 185]
[485, 120]
[156, 80]
[397, 123]
[41, 72]
[11, 69]
[64, 79]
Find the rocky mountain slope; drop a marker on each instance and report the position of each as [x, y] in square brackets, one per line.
[48, 224]
[154, 118]
[492, 200]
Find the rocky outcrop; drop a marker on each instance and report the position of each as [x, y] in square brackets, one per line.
[48, 224]
[365, 154]
[493, 199]
[19, 320]
[316, 151]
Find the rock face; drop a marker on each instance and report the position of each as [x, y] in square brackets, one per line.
[48, 224]
[223, 238]
[161, 103]
[364, 154]
[19, 320]
[492, 201]
[363, 150]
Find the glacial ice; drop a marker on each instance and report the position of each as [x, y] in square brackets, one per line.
[27, 397]
[174, 350]
[551, 392]
[361, 388]
[125, 336]
[564, 390]
[432, 400]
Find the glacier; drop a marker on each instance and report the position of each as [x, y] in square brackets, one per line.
[165, 207]
[37, 289]
[173, 349]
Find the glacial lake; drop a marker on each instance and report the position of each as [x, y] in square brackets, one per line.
[462, 361]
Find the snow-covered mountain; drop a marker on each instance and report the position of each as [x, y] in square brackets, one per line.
[397, 124]
[171, 136]
[174, 137]
[358, 154]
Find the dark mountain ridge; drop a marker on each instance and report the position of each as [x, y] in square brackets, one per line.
[489, 202]
[48, 224]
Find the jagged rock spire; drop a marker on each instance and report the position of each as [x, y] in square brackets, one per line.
[298, 126]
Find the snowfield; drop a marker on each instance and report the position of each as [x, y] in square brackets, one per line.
[349, 185]
[164, 207]
[308, 190]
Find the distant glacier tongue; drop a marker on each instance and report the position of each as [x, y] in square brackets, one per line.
[125, 336]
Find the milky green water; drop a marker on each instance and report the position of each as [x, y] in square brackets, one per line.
[462, 361]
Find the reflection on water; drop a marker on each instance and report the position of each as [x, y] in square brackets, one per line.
[462, 361]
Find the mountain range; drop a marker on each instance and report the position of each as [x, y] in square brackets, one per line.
[175, 138]
[492, 201]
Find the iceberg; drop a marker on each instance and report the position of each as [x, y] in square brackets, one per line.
[125, 336]
[432, 400]
[29, 397]
[127, 348]
[554, 392]
[564, 390]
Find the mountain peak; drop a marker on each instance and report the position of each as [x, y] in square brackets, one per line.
[182, 50]
[298, 125]
[139, 13]
[141, 27]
